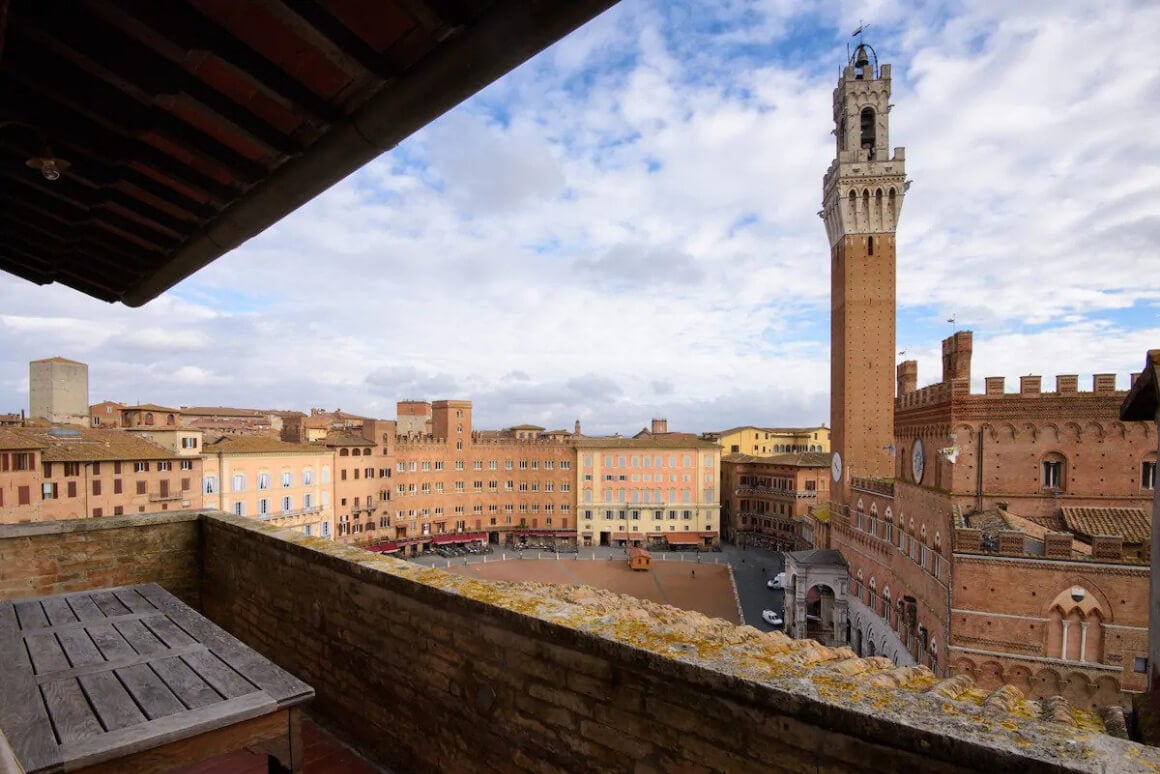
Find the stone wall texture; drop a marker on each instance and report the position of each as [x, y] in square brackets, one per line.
[61, 556]
[431, 673]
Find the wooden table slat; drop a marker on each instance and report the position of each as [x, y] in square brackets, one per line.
[168, 632]
[152, 695]
[113, 676]
[58, 611]
[114, 706]
[189, 686]
[284, 687]
[122, 663]
[81, 650]
[72, 717]
[31, 615]
[133, 739]
[46, 653]
[108, 603]
[23, 715]
[110, 642]
[132, 599]
[136, 634]
[217, 673]
[85, 608]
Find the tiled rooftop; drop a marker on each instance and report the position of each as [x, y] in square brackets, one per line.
[1132, 524]
[256, 444]
[81, 444]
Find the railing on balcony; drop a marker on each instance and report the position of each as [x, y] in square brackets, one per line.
[765, 491]
[159, 497]
[290, 514]
[883, 486]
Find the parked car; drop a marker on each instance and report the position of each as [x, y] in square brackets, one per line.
[772, 618]
[777, 581]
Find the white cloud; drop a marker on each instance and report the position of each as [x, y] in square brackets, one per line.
[626, 228]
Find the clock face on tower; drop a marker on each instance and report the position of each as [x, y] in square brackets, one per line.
[918, 461]
[836, 467]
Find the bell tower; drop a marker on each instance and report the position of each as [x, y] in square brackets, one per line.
[862, 195]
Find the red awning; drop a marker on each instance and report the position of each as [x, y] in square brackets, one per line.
[683, 538]
[620, 536]
[656, 534]
[545, 533]
[382, 548]
[707, 534]
[440, 540]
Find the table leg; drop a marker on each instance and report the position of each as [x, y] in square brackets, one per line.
[288, 760]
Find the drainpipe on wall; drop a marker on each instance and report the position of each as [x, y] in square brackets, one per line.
[979, 474]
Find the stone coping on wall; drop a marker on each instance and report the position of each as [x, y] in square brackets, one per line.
[73, 526]
[951, 720]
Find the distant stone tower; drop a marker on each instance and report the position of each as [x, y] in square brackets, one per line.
[862, 197]
[58, 390]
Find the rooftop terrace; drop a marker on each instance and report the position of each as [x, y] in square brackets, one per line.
[422, 670]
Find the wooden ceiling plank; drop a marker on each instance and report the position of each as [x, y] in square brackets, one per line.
[174, 30]
[103, 104]
[70, 131]
[145, 76]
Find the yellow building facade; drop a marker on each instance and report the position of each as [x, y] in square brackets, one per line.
[766, 441]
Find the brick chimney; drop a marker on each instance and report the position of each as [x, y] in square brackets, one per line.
[660, 426]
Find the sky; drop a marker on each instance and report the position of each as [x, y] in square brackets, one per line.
[625, 227]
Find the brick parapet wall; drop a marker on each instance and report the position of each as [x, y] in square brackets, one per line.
[432, 672]
[59, 556]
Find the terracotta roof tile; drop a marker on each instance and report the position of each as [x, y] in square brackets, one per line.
[796, 459]
[691, 442]
[13, 438]
[220, 411]
[80, 444]
[346, 438]
[257, 444]
[150, 407]
[1132, 524]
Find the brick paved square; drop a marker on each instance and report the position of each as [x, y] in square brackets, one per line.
[689, 585]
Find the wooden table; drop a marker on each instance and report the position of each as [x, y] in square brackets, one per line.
[132, 679]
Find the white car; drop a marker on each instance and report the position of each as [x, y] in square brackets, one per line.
[777, 581]
[771, 618]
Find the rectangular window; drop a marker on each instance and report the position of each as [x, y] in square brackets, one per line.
[96, 489]
[264, 480]
[118, 510]
[1148, 475]
[187, 464]
[72, 468]
[97, 513]
[116, 486]
[165, 465]
[239, 509]
[23, 495]
[263, 506]
[47, 492]
[140, 487]
[565, 465]
[287, 504]
[140, 467]
[189, 443]
[287, 479]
